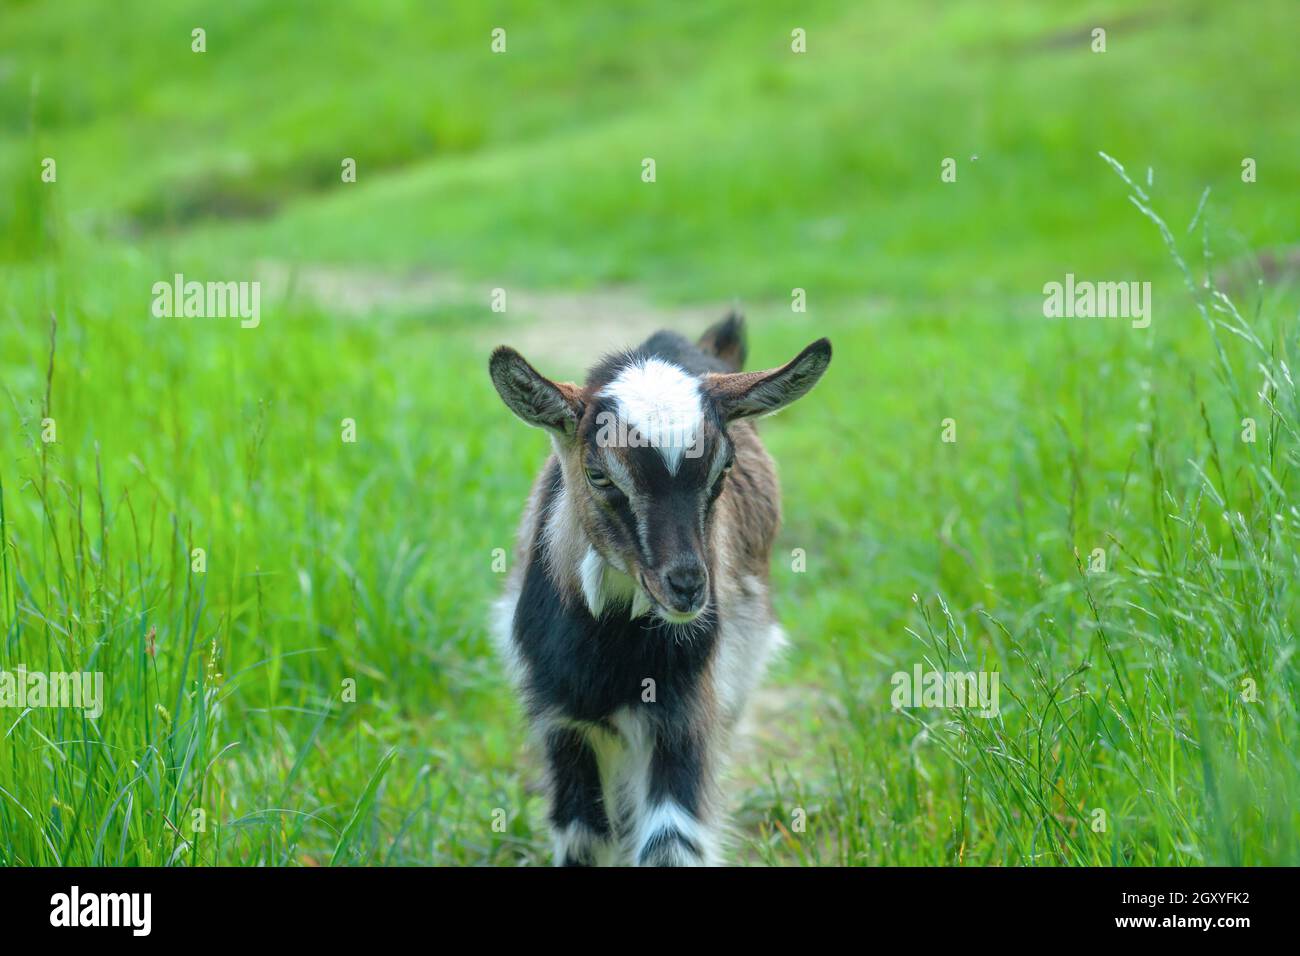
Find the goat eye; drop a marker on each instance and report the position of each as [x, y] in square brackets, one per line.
[598, 478]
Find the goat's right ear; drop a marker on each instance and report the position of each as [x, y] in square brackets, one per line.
[744, 394]
[556, 406]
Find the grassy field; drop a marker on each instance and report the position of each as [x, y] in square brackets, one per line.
[316, 687]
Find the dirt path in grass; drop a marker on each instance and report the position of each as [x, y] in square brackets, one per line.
[567, 328]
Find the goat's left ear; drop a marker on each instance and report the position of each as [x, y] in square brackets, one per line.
[556, 406]
[744, 394]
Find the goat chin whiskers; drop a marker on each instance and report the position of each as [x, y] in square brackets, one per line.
[684, 631]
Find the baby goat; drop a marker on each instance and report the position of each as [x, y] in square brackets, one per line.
[636, 618]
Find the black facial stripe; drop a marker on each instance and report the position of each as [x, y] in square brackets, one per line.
[617, 521]
[623, 509]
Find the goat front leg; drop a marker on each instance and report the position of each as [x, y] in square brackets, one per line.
[579, 824]
[674, 825]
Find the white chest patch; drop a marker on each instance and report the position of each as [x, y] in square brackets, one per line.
[660, 403]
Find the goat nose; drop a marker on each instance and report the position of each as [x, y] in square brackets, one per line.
[685, 586]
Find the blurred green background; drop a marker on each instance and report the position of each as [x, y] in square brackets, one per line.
[1158, 686]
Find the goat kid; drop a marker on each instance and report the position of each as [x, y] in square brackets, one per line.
[636, 619]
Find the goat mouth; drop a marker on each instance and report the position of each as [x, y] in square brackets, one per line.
[678, 617]
[666, 613]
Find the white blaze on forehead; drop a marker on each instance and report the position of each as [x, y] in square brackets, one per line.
[662, 403]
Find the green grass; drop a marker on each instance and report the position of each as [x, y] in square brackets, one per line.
[329, 562]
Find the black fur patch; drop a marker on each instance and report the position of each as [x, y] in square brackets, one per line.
[576, 793]
[588, 669]
[677, 770]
